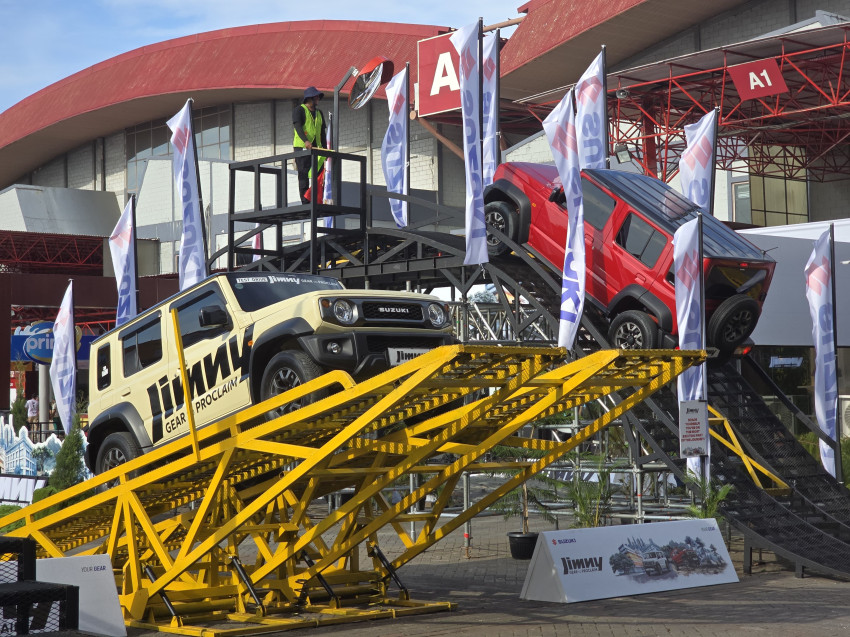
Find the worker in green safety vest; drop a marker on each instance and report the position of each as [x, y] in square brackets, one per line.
[309, 125]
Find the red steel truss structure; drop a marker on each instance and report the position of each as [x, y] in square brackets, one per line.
[799, 134]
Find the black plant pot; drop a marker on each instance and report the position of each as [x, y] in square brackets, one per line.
[522, 544]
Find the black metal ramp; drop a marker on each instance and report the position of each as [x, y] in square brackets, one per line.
[816, 495]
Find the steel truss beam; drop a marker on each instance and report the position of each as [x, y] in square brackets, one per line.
[801, 134]
[253, 480]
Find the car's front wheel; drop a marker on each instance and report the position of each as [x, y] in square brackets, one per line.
[633, 329]
[118, 448]
[285, 371]
[503, 217]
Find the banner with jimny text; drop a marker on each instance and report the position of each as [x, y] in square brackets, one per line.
[686, 266]
[490, 85]
[592, 116]
[560, 130]
[819, 284]
[465, 41]
[63, 367]
[394, 147]
[192, 266]
[696, 167]
[122, 246]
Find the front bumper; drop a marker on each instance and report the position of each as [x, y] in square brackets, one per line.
[367, 353]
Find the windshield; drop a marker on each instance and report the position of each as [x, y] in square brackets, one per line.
[256, 291]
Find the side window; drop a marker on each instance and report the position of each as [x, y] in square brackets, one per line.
[104, 367]
[189, 316]
[142, 348]
[641, 240]
[598, 205]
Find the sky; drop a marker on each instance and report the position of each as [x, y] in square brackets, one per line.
[44, 41]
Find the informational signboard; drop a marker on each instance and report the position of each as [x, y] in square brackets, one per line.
[100, 610]
[578, 565]
[758, 79]
[693, 429]
[439, 81]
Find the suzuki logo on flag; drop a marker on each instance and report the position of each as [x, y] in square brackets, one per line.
[467, 62]
[565, 140]
[180, 139]
[489, 68]
[399, 102]
[588, 90]
[817, 276]
[701, 153]
[688, 271]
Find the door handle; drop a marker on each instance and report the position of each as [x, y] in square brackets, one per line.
[640, 278]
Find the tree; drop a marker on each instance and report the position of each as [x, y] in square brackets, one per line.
[40, 455]
[19, 411]
[70, 467]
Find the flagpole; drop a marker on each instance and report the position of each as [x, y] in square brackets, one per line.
[605, 101]
[839, 469]
[198, 179]
[703, 460]
[497, 97]
[135, 252]
[481, 91]
[713, 164]
[407, 136]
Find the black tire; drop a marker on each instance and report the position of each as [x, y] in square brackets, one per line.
[633, 329]
[732, 322]
[285, 371]
[503, 217]
[116, 449]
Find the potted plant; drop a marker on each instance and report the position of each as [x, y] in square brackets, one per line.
[535, 492]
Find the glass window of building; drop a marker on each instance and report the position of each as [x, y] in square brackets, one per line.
[151, 140]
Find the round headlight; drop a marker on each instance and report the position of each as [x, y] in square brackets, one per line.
[344, 312]
[437, 315]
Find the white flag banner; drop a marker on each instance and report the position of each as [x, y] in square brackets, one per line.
[686, 265]
[63, 367]
[192, 266]
[490, 84]
[560, 130]
[696, 168]
[122, 245]
[465, 41]
[819, 293]
[592, 116]
[394, 147]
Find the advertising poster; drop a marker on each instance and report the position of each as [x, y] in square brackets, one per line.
[693, 429]
[578, 565]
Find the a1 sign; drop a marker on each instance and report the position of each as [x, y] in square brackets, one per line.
[758, 79]
[439, 82]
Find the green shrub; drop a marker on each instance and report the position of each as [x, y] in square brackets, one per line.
[9, 509]
[19, 411]
[70, 466]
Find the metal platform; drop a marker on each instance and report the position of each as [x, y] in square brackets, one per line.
[174, 520]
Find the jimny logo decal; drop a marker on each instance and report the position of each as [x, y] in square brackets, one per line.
[581, 565]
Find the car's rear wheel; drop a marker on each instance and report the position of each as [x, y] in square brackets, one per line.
[732, 322]
[633, 329]
[501, 216]
[118, 448]
[286, 371]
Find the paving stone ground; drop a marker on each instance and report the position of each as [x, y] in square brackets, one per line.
[486, 586]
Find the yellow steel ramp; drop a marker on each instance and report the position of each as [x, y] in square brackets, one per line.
[176, 520]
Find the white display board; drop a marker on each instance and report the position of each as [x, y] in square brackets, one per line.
[582, 564]
[100, 611]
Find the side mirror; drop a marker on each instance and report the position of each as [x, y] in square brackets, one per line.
[213, 316]
[558, 196]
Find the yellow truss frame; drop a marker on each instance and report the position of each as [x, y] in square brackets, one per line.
[173, 520]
